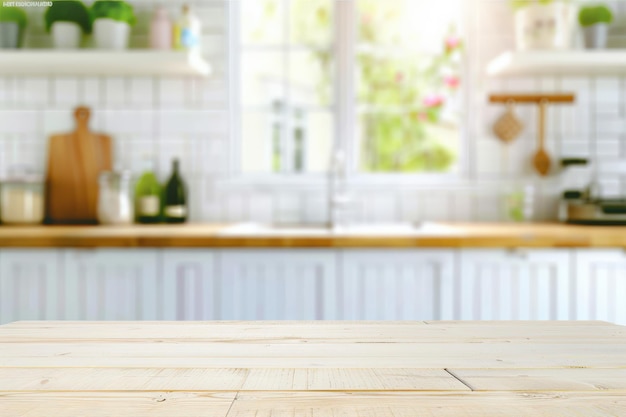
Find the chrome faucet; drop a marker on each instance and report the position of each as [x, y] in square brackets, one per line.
[338, 197]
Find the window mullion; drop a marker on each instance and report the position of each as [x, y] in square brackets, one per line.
[345, 44]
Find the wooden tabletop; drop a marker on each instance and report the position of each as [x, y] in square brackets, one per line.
[433, 235]
[314, 369]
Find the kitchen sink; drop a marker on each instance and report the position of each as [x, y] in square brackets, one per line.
[390, 229]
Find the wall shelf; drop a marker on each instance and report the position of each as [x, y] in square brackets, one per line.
[50, 62]
[573, 63]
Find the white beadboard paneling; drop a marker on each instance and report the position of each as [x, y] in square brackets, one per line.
[395, 285]
[276, 285]
[601, 285]
[111, 284]
[513, 285]
[189, 285]
[30, 281]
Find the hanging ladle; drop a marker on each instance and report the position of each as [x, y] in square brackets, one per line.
[542, 160]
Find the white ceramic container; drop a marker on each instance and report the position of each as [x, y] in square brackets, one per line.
[66, 35]
[111, 34]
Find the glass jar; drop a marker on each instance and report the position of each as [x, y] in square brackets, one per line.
[519, 203]
[115, 202]
[22, 197]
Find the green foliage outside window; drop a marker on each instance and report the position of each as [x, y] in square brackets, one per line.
[402, 96]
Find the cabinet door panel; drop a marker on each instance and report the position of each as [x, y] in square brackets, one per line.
[601, 285]
[395, 285]
[189, 285]
[275, 284]
[112, 284]
[29, 285]
[514, 285]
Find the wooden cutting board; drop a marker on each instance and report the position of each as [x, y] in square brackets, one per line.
[75, 160]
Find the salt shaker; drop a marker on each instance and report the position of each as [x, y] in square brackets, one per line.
[161, 30]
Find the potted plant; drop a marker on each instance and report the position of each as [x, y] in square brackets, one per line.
[68, 21]
[595, 20]
[13, 22]
[112, 21]
[544, 24]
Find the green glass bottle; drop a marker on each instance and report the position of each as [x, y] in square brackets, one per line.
[175, 197]
[148, 196]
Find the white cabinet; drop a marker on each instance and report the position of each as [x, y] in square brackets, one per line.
[189, 285]
[111, 284]
[29, 285]
[275, 284]
[601, 285]
[514, 285]
[395, 285]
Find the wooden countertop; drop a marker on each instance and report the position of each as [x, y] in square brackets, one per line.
[434, 235]
[316, 369]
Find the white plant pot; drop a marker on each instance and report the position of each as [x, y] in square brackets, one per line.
[549, 26]
[111, 34]
[596, 36]
[66, 35]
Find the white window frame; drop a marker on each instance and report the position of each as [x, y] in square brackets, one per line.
[344, 110]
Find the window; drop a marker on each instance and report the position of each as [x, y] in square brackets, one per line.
[378, 78]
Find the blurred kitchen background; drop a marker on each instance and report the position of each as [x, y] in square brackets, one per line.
[193, 117]
[383, 110]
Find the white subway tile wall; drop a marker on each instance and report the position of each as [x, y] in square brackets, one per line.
[188, 118]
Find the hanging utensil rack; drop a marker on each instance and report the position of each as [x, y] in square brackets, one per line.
[542, 161]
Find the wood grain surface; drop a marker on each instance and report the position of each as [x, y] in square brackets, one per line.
[315, 369]
[75, 161]
[444, 235]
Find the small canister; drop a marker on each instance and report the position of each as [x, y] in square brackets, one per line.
[115, 201]
[22, 197]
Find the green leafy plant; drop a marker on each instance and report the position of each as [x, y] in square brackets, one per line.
[591, 15]
[520, 4]
[403, 127]
[68, 11]
[14, 14]
[112, 9]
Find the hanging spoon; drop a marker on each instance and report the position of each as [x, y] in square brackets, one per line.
[542, 160]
